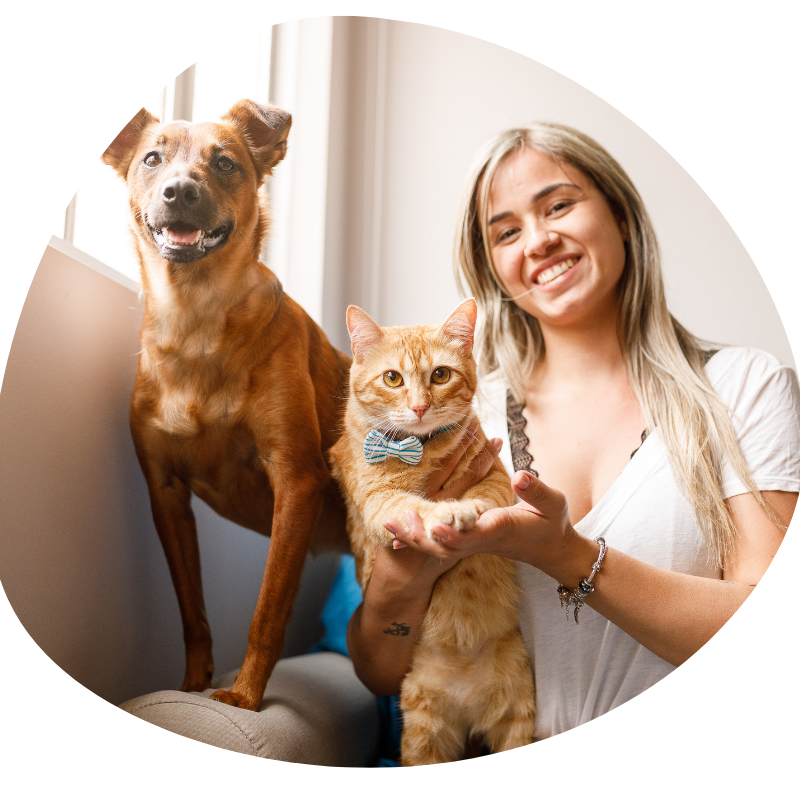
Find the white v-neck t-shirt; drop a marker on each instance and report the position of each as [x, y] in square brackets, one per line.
[583, 671]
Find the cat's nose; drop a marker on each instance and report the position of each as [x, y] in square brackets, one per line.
[419, 411]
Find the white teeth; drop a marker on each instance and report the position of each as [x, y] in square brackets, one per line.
[215, 240]
[551, 273]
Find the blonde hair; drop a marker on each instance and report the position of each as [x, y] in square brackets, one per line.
[665, 363]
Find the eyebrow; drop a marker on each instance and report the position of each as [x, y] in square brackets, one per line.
[535, 199]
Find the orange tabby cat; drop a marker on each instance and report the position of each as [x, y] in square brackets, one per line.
[411, 393]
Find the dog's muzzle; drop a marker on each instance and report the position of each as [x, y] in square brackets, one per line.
[181, 222]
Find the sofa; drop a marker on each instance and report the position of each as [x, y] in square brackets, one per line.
[315, 710]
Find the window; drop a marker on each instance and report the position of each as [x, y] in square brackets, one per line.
[96, 220]
[290, 65]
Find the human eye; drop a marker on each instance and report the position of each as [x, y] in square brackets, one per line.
[505, 235]
[559, 207]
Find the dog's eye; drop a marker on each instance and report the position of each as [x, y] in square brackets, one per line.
[392, 378]
[224, 164]
[441, 375]
[152, 160]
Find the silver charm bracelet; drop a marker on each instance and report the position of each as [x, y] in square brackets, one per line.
[585, 586]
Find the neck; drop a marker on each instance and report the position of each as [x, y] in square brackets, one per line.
[581, 352]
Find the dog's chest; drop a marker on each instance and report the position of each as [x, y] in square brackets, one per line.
[192, 395]
[184, 413]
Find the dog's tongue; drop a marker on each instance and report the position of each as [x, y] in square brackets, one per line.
[177, 237]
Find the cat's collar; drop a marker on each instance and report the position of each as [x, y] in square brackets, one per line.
[378, 446]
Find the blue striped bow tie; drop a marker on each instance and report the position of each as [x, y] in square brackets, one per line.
[377, 448]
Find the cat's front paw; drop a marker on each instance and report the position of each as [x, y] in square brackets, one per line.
[459, 515]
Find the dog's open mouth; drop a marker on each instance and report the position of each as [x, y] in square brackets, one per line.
[182, 242]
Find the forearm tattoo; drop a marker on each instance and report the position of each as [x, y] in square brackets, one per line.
[397, 629]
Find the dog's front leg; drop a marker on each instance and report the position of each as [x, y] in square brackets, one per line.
[298, 502]
[175, 524]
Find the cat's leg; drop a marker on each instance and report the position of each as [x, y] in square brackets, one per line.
[385, 505]
[494, 491]
[514, 730]
[507, 720]
[431, 735]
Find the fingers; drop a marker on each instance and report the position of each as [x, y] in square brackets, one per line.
[414, 536]
[538, 494]
[477, 470]
[438, 477]
[394, 527]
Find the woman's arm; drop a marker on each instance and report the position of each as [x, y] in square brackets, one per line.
[384, 629]
[671, 614]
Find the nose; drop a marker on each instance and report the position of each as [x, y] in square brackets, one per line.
[540, 240]
[180, 190]
[419, 410]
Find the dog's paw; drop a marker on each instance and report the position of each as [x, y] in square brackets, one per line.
[459, 515]
[234, 699]
[198, 677]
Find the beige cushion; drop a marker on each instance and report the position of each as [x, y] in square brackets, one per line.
[315, 711]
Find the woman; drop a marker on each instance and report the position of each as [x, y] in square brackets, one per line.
[625, 417]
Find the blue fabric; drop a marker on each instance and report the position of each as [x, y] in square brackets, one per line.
[343, 599]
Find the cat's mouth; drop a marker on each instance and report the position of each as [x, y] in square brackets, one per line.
[422, 429]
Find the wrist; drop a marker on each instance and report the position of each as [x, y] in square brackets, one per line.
[572, 560]
[389, 589]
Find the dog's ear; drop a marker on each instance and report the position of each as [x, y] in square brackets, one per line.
[364, 332]
[120, 151]
[267, 128]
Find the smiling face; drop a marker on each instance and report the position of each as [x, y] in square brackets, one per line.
[555, 243]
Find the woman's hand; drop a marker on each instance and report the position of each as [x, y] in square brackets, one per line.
[536, 530]
[479, 464]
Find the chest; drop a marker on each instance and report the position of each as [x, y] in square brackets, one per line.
[581, 445]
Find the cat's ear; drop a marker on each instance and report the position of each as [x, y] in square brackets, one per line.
[460, 326]
[364, 332]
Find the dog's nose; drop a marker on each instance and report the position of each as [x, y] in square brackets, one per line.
[178, 191]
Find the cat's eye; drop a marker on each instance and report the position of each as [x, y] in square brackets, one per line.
[441, 375]
[392, 378]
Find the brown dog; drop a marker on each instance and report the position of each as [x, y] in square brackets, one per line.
[238, 393]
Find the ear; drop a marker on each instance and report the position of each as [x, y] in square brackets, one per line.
[120, 151]
[460, 326]
[364, 332]
[267, 128]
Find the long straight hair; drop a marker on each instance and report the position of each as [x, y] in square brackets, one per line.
[665, 363]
